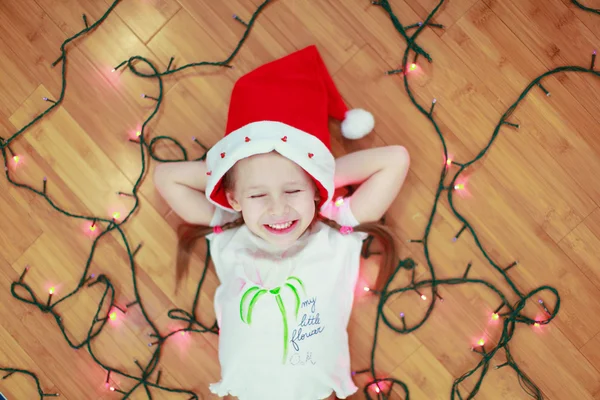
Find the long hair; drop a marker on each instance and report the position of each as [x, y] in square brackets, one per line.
[189, 234]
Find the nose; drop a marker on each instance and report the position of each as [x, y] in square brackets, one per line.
[278, 206]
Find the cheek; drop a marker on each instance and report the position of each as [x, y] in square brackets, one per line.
[304, 205]
[252, 209]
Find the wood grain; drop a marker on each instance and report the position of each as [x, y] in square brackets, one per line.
[533, 197]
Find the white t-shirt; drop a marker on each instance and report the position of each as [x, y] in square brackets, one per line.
[283, 317]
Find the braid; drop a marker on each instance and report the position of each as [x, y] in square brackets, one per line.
[384, 235]
[188, 234]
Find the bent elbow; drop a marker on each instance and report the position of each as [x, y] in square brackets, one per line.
[160, 178]
[401, 157]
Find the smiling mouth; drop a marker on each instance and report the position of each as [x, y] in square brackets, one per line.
[280, 229]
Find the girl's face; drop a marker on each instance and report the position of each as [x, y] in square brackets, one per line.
[276, 197]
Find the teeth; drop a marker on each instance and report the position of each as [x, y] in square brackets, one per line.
[281, 226]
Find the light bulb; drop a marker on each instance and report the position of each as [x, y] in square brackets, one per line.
[138, 133]
[366, 289]
[448, 162]
[481, 342]
[495, 316]
[413, 66]
[16, 158]
[339, 202]
[116, 215]
[459, 186]
[51, 291]
[112, 316]
[537, 324]
[423, 297]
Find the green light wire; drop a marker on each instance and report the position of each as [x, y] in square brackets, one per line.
[511, 316]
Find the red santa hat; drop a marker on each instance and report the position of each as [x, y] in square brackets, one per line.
[284, 106]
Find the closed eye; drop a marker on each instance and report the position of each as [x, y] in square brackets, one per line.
[256, 196]
[293, 191]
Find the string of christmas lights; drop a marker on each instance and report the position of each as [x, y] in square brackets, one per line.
[382, 387]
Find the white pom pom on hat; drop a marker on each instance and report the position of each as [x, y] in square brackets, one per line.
[357, 123]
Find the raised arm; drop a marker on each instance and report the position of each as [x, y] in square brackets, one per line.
[380, 172]
[182, 185]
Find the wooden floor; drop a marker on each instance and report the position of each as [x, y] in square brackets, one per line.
[534, 198]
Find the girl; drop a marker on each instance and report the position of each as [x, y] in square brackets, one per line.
[286, 254]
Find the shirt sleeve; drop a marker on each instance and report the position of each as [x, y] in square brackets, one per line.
[339, 211]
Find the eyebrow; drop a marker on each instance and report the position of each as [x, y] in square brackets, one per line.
[258, 187]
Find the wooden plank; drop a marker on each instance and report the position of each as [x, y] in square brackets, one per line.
[18, 386]
[589, 19]
[145, 18]
[496, 55]
[16, 84]
[68, 14]
[448, 14]
[591, 351]
[581, 246]
[34, 39]
[304, 23]
[556, 37]
[42, 342]
[263, 43]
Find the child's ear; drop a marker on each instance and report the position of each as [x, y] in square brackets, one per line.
[233, 202]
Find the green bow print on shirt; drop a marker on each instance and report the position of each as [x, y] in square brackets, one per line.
[258, 293]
